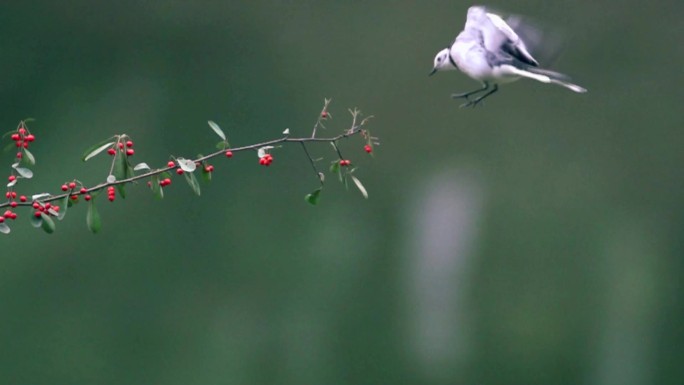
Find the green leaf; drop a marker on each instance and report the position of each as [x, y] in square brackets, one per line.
[206, 176]
[217, 129]
[24, 172]
[97, 148]
[4, 228]
[335, 167]
[28, 157]
[119, 173]
[157, 190]
[360, 186]
[314, 197]
[47, 224]
[63, 205]
[93, 218]
[192, 181]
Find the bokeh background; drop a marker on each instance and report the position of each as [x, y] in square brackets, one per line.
[535, 240]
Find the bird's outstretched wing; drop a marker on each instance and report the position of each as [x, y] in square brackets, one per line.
[499, 36]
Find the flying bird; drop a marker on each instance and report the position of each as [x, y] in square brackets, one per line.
[491, 51]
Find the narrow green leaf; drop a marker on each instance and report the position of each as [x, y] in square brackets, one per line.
[360, 186]
[206, 176]
[4, 228]
[157, 190]
[97, 148]
[24, 172]
[314, 197]
[217, 129]
[192, 181]
[93, 218]
[47, 224]
[28, 157]
[335, 167]
[120, 173]
[63, 205]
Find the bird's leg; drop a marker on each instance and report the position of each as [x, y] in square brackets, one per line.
[465, 95]
[479, 99]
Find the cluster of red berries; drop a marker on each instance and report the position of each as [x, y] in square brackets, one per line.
[209, 168]
[266, 160]
[44, 209]
[9, 214]
[21, 139]
[165, 182]
[368, 148]
[345, 162]
[128, 145]
[111, 193]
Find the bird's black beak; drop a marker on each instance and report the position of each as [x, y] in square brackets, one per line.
[434, 70]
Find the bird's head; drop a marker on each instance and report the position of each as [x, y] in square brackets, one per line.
[442, 62]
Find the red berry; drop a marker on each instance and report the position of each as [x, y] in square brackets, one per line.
[87, 197]
[37, 214]
[8, 195]
[22, 198]
[2, 219]
[19, 155]
[74, 197]
[12, 178]
[30, 137]
[167, 181]
[120, 145]
[25, 144]
[64, 187]
[111, 151]
[324, 114]
[15, 137]
[13, 216]
[8, 214]
[48, 206]
[171, 164]
[83, 190]
[209, 168]
[72, 185]
[130, 152]
[14, 194]
[368, 148]
[179, 171]
[111, 198]
[36, 205]
[19, 143]
[129, 143]
[54, 208]
[345, 162]
[22, 131]
[13, 204]
[229, 154]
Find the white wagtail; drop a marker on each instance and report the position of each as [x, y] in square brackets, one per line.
[489, 50]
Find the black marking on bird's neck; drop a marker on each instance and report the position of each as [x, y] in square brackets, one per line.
[451, 60]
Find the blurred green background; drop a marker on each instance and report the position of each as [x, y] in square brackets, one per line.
[536, 240]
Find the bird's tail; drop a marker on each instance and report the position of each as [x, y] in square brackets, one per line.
[548, 76]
